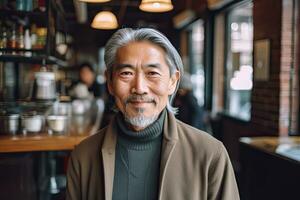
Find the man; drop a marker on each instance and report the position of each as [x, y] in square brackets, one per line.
[145, 153]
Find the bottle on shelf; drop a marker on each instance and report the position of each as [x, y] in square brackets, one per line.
[41, 37]
[35, 5]
[27, 42]
[3, 39]
[20, 5]
[20, 39]
[28, 5]
[33, 36]
[24, 5]
[42, 5]
[12, 41]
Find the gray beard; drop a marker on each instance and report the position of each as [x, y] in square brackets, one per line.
[140, 121]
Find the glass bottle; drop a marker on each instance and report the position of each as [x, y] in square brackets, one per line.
[42, 5]
[20, 5]
[27, 42]
[12, 42]
[3, 40]
[35, 5]
[33, 36]
[41, 37]
[29, 5]
[20, 39]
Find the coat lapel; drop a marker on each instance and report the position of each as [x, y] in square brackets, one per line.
[169, 142]
[108, 155]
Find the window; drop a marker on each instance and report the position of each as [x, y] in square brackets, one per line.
[196, 55]
[238, 65]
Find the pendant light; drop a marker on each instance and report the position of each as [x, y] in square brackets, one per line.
[94, 1]
[156, 5]
[105, 20]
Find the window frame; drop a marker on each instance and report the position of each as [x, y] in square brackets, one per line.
[227, 10]
[192, 69]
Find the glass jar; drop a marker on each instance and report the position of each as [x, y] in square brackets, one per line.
[57, 124]
[58, 118]
[32, 122]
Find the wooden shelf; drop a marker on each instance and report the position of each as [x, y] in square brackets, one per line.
[34, 16]
[39, 142]
[32, 59]
[36, 13]
[40, 50]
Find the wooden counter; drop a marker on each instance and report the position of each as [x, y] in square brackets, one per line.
[39, 142]
[278, 146]
[268, 168]
[270, 143]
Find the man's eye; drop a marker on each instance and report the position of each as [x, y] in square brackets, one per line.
[125, 73]
[153, 73]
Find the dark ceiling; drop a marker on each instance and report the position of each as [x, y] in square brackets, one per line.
[128, 15]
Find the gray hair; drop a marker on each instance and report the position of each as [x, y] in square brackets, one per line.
[127, 35]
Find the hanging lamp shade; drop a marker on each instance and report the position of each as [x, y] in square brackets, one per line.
[95, 1]
[105, 20]
[156, 5]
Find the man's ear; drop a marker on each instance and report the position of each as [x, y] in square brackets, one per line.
[173, 82]
[109, 82]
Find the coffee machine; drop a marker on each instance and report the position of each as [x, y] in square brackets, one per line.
[44, 87]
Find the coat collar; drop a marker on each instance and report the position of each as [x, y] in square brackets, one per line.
[170, 128]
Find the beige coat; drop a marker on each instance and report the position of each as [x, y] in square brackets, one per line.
[194, 166]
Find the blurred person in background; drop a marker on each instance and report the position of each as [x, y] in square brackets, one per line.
[189, 111]
[89, 100]
[87, 87]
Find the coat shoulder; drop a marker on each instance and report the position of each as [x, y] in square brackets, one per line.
[196, 138]
[91, 144]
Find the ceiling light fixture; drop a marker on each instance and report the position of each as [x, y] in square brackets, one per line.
[95, 1]
[105, 20]
[156, 5]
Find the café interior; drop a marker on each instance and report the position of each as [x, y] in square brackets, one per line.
[241, 62]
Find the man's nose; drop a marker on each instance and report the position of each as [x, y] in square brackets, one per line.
[140, 85]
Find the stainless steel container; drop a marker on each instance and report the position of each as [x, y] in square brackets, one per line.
[9, 124]
[44, 87]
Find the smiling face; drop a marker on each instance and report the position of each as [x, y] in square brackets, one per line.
[141, 83]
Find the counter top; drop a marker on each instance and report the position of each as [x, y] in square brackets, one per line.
[39, 142]
[288, 147]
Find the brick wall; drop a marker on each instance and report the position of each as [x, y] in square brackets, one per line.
[285, 68]
[265, 94]
[271, 100]
[296, 85]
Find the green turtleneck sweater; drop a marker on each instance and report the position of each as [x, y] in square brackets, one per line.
[137, 164]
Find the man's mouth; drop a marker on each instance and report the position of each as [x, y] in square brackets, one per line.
[137, 100]
[141, 102]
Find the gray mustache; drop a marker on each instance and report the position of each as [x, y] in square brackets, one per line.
[139, 98]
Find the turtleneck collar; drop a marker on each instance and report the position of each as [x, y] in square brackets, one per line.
[139, 139]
